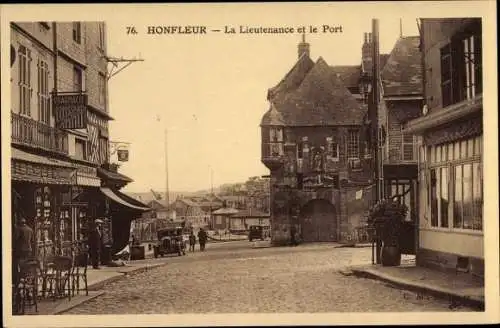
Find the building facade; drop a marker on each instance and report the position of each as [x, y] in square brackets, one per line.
[451, 155]
[60, 138]
[314, 143]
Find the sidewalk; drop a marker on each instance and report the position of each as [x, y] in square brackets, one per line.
[96, 280]
[459, 288]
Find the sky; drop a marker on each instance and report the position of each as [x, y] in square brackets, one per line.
[209, 91]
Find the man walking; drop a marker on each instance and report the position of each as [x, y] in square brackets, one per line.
[202, 237]
[95, 245]
[192, 241]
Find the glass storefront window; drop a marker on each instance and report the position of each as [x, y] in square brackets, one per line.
[444, 199]
[456, 155]
[477, 196]
[455, 188]
[467, 196]
[450, 152]
[463, 149]
[434, 198]
[457, 204]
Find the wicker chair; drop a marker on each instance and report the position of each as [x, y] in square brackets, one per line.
[27, 286]
[79, 273]
[57, 274]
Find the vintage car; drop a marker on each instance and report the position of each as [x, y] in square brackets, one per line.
[258, 232]
[170, 241]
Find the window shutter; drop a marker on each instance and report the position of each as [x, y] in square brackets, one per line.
[478, 63]
[446, 78]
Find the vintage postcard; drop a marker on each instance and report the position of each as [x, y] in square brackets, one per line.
[249, 164]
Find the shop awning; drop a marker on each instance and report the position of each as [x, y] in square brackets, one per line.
[35, 168]
[124, 200]
[106, 174]
[20, 155]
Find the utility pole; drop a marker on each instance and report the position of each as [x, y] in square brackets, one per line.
[374, 105]
[167, 198]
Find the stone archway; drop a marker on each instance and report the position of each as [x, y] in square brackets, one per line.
[318, 221]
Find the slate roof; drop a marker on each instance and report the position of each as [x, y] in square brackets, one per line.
[348, 74]
[321, 99]
[293, 78]
[402, 74]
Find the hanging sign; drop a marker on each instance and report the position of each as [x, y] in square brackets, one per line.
[70, 110]
[122, 155]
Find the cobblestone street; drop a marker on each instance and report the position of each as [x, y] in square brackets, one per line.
[301, 279]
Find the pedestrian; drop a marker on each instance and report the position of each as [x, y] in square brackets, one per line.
[192, 241]
[95, 241]
[202, 237]
[23, 240]
[135, 241]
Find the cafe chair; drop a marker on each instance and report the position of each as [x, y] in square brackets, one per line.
[57, 276]
[79, 274]
[27, 288]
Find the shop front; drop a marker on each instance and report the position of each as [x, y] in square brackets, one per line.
[451, 190]
[38, 186]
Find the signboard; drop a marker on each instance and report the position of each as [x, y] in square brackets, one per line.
[122, 155]
[70, 110]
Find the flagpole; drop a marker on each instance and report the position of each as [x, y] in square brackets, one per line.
[167, 198]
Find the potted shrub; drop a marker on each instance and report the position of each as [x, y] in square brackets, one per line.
[387, 216]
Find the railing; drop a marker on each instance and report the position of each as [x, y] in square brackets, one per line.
[29, 132]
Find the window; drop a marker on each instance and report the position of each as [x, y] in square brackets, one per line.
[77, 79]
[300, 150]
[80, 149]
[332, 148]
[77, 32]
[43, 92]
[101, 36]
[276, 144]
[407, 146]
[353, 145]
[103, 148]
[461, 66]
[456, 185]
[25, 81]
[102, 89]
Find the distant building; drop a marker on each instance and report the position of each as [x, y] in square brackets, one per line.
[314, 143]
[450, 198]
[192, 212]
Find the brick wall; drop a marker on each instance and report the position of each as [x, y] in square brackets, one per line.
[96, 65]
[66, 44]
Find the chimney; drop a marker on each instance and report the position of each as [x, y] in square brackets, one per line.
[303, 46]
[367, 52]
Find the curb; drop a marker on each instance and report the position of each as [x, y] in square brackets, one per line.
[101, 284]
[443, 293]
[68, 307]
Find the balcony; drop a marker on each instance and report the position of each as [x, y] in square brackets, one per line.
[273, 155]
[31, 133]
